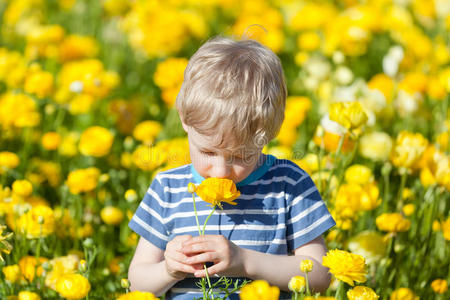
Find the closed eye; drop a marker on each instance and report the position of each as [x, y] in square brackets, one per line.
[208, 153]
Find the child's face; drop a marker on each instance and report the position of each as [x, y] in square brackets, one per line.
[209, 161]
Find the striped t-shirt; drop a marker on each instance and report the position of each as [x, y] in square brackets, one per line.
[279, 210]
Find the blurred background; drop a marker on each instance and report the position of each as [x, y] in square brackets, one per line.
[87, 118]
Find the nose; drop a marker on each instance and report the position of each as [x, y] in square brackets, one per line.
[221, 168]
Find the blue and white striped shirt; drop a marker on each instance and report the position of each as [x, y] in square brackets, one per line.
[279, 210]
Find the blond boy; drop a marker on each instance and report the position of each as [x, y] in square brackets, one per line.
[231, 104]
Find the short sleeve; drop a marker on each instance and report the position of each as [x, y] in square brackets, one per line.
[148, 219]
[307, 214]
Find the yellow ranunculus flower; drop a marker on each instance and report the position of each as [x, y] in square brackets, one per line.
[8, 160]
[392, 222]
[306, 265]
[445, 226]
[39, 83]
[349, 114]
[83, 180]
[137, 295]
[169, 77]
[297, 284]
[38, 222]
[403, 294]
[51, 140]
[328, 135]
[149, 158]
[358, 174]
[22, 188]
[27, 265]
[439, 286]
[308, 41]
[408, 149]
[96, 141]
[281, 152]
[375, 146]
[73, 286]
[76, 47]
[18, 110]
[111, 215]
[59, 266]
[384, 84]
[12, 273]
[27, 295]
[259, 290]
[147, 131]
[130, 195]
[346, 266]
[362, 293]
[217, 190]
[408, 209]
[370, 244]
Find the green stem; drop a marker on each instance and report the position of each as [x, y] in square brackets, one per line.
[400, 192]
[340, 292]
[206, 221]
[196, 216]
[308, 292]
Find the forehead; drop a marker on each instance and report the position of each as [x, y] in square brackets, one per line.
[224, 143]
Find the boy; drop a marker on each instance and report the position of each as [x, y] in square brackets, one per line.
[231, 104]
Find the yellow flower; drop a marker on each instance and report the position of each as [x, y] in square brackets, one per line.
[130, 195]
[18, 110]
[12, 273]
[76, 47]
[217, 190]
[22, 188]
[137, 295]
[26, 295]
[445, 226]
[329, 133]
[369, 244]
[408, 149]
[169, 76]
[403, 294]
[408, 209]
[281, 152]
[111, 215]
[297, 284]
[375, 146]
[384, 84]
[39, 221]
[436, 225]
[308, 41]
[73, 286]
[95, 141]
[51, 140]
[349, 114]
[306, 265]
[439, 286]
[28, 264]
[8, 160]
[83, 180]
[147, 131]
[39, 83]
[392, 222]
[346, 266]
[60, 266]
[259, 290]
[362, 293]
[358, 174]
[149, 158]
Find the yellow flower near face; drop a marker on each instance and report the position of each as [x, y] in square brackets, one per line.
[358, 174]
[147, 131]
[22, 188]
[346, 266]
[362, 293]
[51, 140]
[297, 284]
[392, 222]
[259, 290]
[38, 222]
[73, 286]
[137, 295]
[12, 273]
[8, 160]
[217, 190]
[306, 265]
[95, 141]
[403, 294]
[27, 265]
[27, 295]
[370, 244]
[439, 286]
[408, 149]
[83, 180]
[329, 133]
[349, 114]
[111, 215]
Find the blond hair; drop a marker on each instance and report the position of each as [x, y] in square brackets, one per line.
[233, 89]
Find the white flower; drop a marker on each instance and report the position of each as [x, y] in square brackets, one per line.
[76, 86]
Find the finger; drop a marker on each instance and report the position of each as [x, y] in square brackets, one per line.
[176, 255]
[179, 267]
[203, 258]
[182, 238]
[201, 246]
[202, 238]
[214, 269]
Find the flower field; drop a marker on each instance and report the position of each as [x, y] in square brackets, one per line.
[87, 118]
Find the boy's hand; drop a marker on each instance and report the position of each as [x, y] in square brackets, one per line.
[226, 256]
[176, 261]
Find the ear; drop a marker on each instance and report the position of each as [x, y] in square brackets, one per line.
[185, 127]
